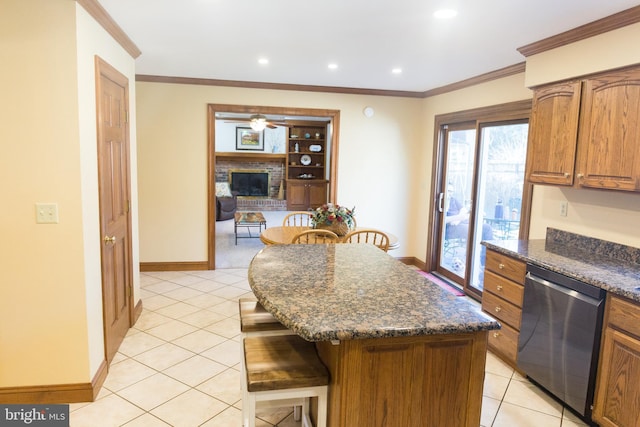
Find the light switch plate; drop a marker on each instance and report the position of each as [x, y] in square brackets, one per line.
[46, 213]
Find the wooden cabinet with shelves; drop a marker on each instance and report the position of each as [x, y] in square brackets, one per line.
[304, 194]
[585, 133]
[617, 387]
[502, 299]
[306, 167]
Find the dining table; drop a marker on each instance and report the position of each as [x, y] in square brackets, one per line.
[284, 234]
[401, 350]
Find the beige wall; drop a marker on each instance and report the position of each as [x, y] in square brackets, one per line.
[377, 161]
[50, 303]
[608, 215]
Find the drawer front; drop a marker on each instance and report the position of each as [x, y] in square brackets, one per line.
[506, 266]
[624, 314]
[505, 342]
[504, 288]
[501, 309]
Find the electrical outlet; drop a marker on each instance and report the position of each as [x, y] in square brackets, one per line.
[46, 213]
[564, 206]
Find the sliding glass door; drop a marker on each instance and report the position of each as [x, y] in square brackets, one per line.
[480, 195]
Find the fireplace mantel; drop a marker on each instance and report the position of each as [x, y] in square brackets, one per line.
[232, 155]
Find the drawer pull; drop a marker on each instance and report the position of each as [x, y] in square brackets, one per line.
[496, 334]
[501, 266]
[499, 287]
[498, 309]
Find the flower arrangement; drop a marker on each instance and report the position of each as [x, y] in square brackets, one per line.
[336, 218]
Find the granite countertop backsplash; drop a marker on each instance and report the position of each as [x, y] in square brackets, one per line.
[607, 265]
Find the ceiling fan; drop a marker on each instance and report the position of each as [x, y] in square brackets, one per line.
[257, 122]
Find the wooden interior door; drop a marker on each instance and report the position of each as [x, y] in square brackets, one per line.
[113, 177]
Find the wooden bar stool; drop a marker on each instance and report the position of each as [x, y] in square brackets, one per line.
[256, 321]
[283, 370]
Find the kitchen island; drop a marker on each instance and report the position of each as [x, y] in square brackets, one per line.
[401, 350]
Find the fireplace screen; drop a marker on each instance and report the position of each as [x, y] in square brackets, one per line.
[254, 183]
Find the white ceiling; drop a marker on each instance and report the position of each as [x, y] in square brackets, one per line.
[223, 39]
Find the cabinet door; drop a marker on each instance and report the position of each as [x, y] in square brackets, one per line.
[553, 134]
[610, 132]
[618, 390]
[296, 196]
[317, 194]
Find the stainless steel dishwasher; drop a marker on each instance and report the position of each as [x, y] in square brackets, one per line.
[560, 336]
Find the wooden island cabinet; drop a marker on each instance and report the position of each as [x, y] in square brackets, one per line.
[401, 351]
[585, 133]
[618, 386]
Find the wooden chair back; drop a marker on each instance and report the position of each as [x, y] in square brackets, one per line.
[297, 219]
[315, 236]
[370, 236]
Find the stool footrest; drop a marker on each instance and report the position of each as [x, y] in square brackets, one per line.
[282, 362]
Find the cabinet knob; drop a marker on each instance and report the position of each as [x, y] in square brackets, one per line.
[567, 174]
[498, 309]
[499, 287]
[496, 334]
[580, 175]
[501, 266]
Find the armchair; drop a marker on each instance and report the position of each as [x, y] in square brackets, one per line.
[226, 201]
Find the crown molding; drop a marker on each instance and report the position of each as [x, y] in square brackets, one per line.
[275, 86]
[482, 78]
[601, 26]
[105, 20]
[493, 75]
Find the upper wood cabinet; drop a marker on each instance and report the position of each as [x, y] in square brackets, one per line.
[586, 133]
[609, 138]
[553, 133]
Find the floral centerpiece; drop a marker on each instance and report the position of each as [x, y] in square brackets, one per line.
[336, 218]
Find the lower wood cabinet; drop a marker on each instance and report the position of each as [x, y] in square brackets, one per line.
[431, 380]
[306, 194]
[617, 396]
[502, 298]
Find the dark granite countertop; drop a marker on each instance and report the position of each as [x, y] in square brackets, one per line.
[351, 291]
[610, 266]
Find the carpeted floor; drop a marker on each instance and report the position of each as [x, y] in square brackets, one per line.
[230, 255]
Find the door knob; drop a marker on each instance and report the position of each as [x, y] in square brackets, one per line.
[108, 239]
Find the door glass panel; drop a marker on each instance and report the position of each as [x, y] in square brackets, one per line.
[456, 203]
[503, 151]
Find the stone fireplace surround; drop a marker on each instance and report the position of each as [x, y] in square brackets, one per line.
[276, 170]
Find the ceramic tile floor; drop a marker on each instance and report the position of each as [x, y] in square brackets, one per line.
[179, 365]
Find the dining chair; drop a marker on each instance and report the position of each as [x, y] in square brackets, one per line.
[370, 236]
[315, 236]
[297, 219]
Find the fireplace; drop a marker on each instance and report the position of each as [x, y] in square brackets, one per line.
[250, 183]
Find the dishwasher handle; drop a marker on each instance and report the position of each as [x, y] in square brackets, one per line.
[539, 281]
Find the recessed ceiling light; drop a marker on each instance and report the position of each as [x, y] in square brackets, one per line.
[263, 61]
[333, 66]
[397, 71]
[445, 13]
